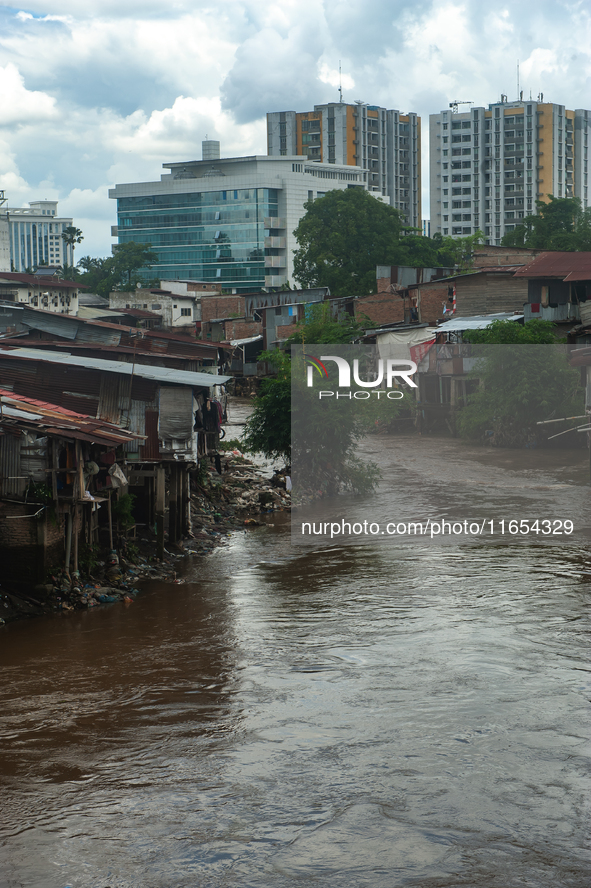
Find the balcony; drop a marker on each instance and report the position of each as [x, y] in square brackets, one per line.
[275, 261]
[275, 243]
[114, 231]
[274, 280]
[274, 222]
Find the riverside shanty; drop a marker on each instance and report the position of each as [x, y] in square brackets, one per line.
[109, 441]
[90, 412]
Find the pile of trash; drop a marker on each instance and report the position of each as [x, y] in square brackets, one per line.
[233, 495]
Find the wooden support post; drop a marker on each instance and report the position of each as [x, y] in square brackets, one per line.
[173, 504]
[76, 531]
[54, 466]
[159, 510]
[183, 502]
[110, 517]
[80, 467]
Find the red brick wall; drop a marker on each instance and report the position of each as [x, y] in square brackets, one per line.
[196, 287]
[241, 329]
[381, 307]
[286, 330]
[221, 307]
[432, 298]
[27, 544]
[486, 256]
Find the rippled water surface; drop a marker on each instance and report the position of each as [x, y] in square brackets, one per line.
[348, 716]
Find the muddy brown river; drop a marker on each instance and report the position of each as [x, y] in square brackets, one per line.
[341, 716]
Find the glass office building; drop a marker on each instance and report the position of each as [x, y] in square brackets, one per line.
[210, 236]
[227, 221]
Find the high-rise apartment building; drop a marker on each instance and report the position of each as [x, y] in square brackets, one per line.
[489, 166]
[387, 144]
[228, 221]
[34, 235]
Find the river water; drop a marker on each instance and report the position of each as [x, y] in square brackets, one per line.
[342, 716]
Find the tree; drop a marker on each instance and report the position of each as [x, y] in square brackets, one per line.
[344, 235]
[117, 272]
[320, 326]
[452, 252]
[342, 238]
[127, 261]
[560, 224]
[520, 383]
[268, 429]
[72, 236]
[511, 332]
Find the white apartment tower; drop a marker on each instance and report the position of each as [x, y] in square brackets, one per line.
[34, 235]
[489, 166]
[385, 143]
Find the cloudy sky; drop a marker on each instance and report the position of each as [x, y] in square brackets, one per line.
[105, 92]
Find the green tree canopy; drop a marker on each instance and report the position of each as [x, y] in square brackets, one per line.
[520, 385]
[320, 326]
[342, 238]
[509, 332]
[268, 429]
[344, 235]
[117, 272]
[561, 224]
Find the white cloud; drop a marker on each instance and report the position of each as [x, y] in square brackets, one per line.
[105, 93]
[20, 104]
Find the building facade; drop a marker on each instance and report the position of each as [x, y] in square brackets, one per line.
[34, 235]
[47, 292]
[229, 221]
[384, 143]
[178, 303]
[489, 166]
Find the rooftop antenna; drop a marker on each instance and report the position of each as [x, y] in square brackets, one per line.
[340, 85]
[518, 78]
[454, 106]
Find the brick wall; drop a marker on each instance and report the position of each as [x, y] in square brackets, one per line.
[381, 307]
[242, 329]
[28, 545]
[476, 294]
[432, 297]
[221, 307]
[286, 330]
[487, 256]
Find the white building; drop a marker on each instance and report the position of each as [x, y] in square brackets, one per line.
[384, 143]
[227, 221]
[177, 302]
[34, 235]
[46, 292]
[489, 166]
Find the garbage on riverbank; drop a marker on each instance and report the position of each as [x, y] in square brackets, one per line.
[228, 494]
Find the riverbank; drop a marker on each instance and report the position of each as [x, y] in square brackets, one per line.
[231, 496]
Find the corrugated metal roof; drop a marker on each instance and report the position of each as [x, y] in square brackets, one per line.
[45, 281]
[158, 374]
[246, 341]
[88, 313]
[577, 266]
[476, 322]
[18, 410]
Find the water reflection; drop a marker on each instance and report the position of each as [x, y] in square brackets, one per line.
[346, 716]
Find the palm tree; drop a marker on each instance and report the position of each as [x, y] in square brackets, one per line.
[71, 236]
